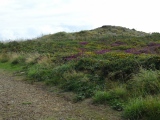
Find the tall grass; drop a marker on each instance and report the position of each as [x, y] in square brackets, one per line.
[143, 109]
[115, 97]
[145, 82]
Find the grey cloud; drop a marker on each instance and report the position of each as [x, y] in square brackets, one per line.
[30, 18]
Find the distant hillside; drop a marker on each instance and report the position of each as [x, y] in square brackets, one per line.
[101, 32]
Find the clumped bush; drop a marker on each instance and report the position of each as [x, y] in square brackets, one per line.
[142, 109]
[38, 72]
[56, 76]
[152, 62]
[78, 83]
[122, 66]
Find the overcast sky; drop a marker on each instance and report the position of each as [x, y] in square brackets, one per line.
[31, 18]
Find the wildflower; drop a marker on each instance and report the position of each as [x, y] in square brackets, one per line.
[84, 43]
[102, 51]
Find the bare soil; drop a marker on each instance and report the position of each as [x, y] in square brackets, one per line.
[20, 100]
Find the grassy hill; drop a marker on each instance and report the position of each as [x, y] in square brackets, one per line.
[112, 65]
[101, 32]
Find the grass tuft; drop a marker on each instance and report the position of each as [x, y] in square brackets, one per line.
[145, 82]
[142, 108]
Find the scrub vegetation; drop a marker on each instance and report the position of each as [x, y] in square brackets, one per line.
[112, 65]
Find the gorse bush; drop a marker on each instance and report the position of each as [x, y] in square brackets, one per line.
[122, 68]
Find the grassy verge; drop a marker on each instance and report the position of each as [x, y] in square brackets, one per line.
[9, 67]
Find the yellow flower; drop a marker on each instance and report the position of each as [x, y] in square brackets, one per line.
[90, 53]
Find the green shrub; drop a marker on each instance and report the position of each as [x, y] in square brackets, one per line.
[152, 62]
[101, 97]
[78, 83]
[4, 57]
[119, 92]
[38, 73]
[142, 109]
[19, 60]
[63, 68]
[123, 47]
[53, 79]
[114, 97]
[121, 65]
[145, 82]
[57, 76]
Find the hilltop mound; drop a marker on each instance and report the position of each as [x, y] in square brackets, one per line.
[117, 30]
[101, 32]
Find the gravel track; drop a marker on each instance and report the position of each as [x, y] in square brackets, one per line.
[20, 100]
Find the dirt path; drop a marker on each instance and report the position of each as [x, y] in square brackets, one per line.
[22, 101]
